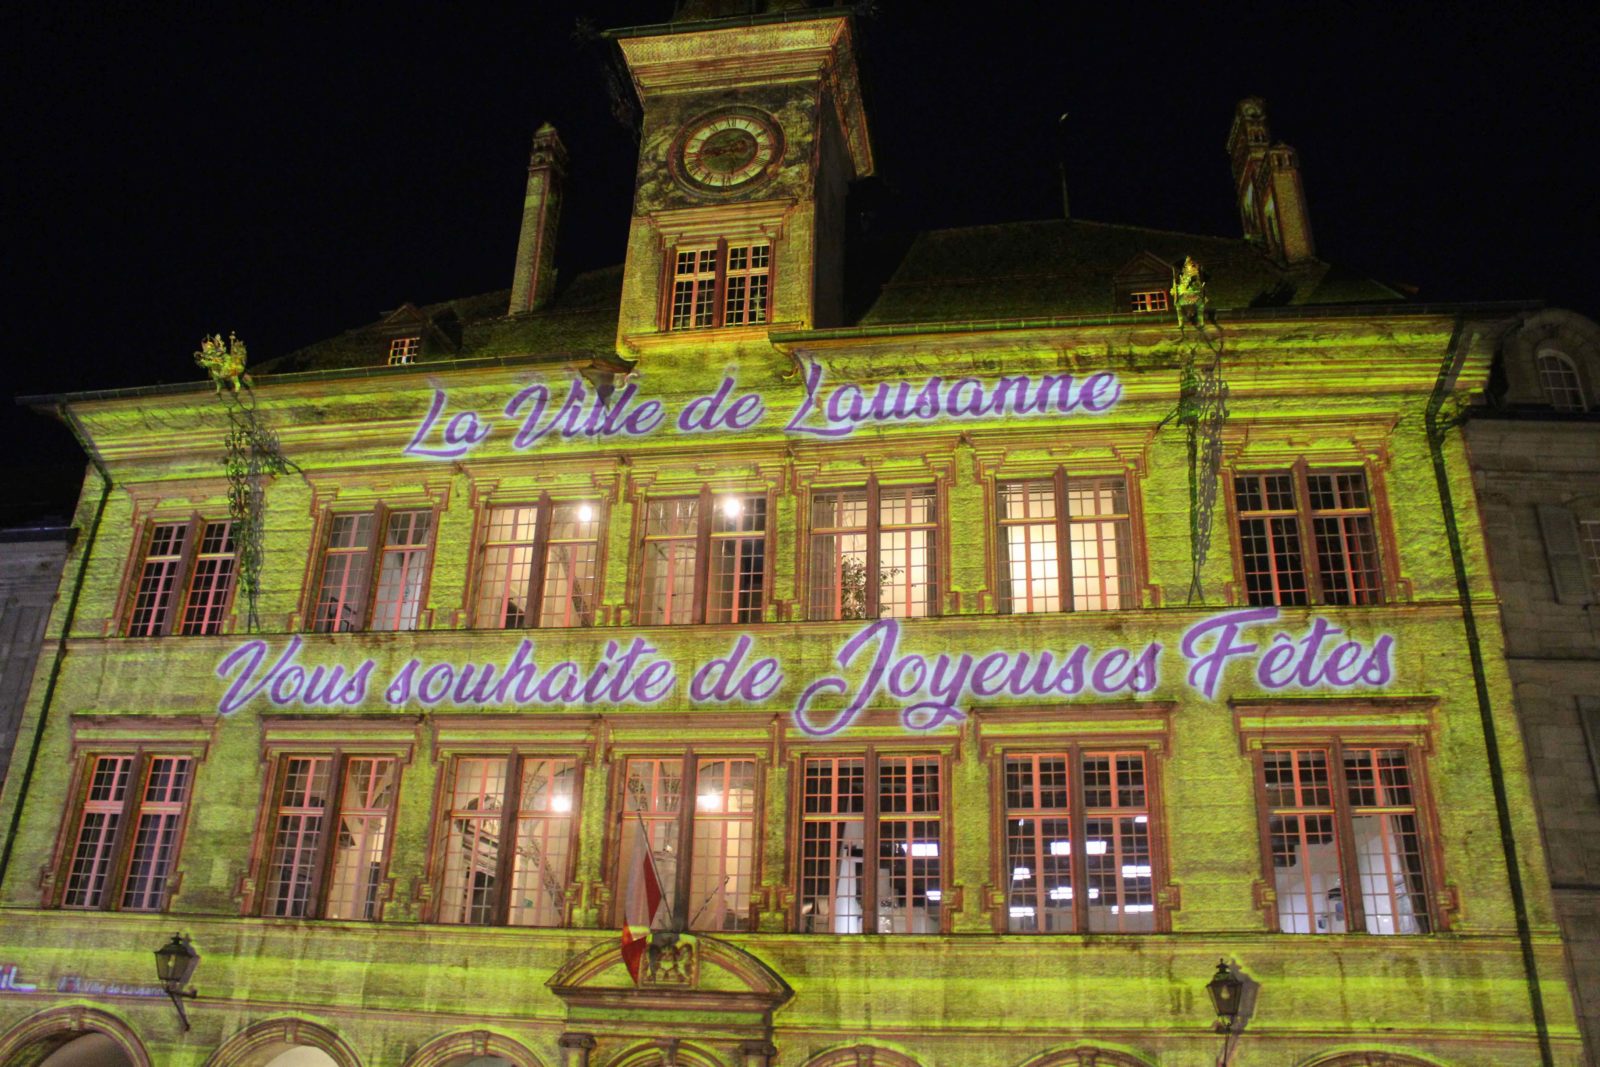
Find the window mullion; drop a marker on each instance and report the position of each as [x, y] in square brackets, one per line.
[871, 603]
[1344, 825]
[869, 843]
[1063, 543]
[1308, 535]
[1080, 846]
[702, 552]
[505, 862]
[683, 883]
[369, 579]
[193, 530]
[536, 569]
[322, 863]
[122, 845]
[719, 286]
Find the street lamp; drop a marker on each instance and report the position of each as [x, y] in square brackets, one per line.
[175, 964]
[1225, 990]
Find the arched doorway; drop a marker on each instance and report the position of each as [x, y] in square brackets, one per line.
[74, 1036]
[285, 1042]
[478, 1048]
[304, 1056]
[90, 1050]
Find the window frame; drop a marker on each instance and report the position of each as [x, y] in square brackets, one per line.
[276, 760]
[544, 506]
[873, 534]
[373, 553]
[404, 350]
[1061, 482]
[871, 816]
[1549, 362]
[1335, 745]
[515, 757]
[704, 541]
[684, 905]
[1301, 469]
[174, 613]
[720, 247]
[120, 851]
[1153, 752]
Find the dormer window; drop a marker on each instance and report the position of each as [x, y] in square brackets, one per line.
[403, 351]
[1558, 377]
[721, 285]
[1141, 301]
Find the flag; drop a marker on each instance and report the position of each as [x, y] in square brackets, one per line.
[641, 907]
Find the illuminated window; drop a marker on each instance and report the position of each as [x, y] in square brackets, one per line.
[540, 565]
[403, 350]
[1558, 377]
[872, 552]
[717, 832]
[310, 872]
[125, 842]
[530, 800]
[1095, 527]
[871, 845]
[705, 559]
[1589, 541]
[190, 564]
[345, 597]
[1144, 300]
[1274, 510]
[1345, 849]
[1078, 854]
[720, 285]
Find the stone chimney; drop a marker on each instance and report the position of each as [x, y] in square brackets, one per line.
[1266, 181]
[535, 274]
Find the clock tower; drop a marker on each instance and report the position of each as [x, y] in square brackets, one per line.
[752, 131]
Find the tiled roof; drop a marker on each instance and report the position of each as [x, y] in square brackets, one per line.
[1067, 267]
[1053, 269]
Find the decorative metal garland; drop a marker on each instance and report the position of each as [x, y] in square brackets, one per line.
[252, 455]
[1202, 410]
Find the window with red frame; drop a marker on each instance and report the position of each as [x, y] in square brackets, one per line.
[540, 565]
[1084, 519]
[329, 834]
[1336, 564]
[1141, 301]
[1343, 840]
[720, 285]
[398, 545]
[185, 580]
[717, 833]
[1078, 843]
[871, 844]
[528, 800]
[125, 843]
[872, 552]
[704, 559]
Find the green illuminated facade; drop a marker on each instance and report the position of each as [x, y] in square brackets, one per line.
[994, 750]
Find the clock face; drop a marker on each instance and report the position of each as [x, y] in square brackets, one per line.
[726, 149]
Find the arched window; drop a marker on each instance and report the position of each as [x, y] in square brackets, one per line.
[1558, 377]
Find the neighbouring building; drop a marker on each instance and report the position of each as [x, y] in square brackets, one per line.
[678, 665]
[31, 558]
[1534, 447]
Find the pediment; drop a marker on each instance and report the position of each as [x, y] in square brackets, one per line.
[693, 970]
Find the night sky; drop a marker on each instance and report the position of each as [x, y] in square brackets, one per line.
[288, 174]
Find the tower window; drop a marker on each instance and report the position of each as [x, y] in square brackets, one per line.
[403, 350]
[720, 285]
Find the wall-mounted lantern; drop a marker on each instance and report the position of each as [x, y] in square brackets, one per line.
[175, 964]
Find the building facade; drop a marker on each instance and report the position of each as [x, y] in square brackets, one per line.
[1097, 603]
